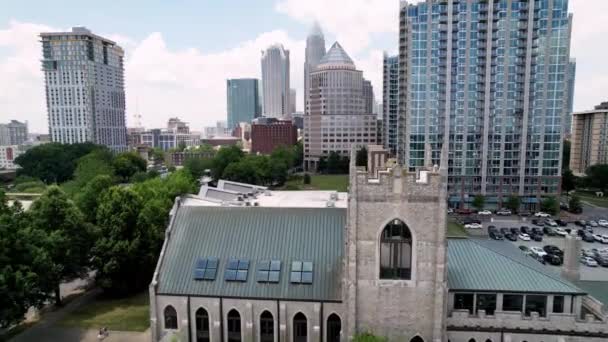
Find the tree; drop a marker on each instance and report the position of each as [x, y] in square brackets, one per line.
[597, 176]
[333, 163]
[566, 155]
[197, 166]
[283, 154]
[67, 240]
[574, 205]
[123, 254]
[88, 198]
[513, 203]
[127, 164]
[21, 264]
[306, 178]
[550, 205]
[478, 202]
[223, 158]
[298, 153]
[244, 171]
[361, 157]
[568, 180]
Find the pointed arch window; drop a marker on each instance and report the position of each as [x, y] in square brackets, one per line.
[202, 325]
[170, 317]
[300, 328]
[396, 251]
[266, 327]
[417, 339]
[234, 326]
[334, 328]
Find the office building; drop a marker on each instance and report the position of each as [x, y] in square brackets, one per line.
[589, 143]
[486, 78]
[314, 51]
[13, 133]
[8, 154]
[85, 92]
[336, 119]
[571, 82]
[368, 96]
[176, 135]
[292, 101]
[390, 103]
[243, 101]
[275, 81]
[244, 263]
[270, 133]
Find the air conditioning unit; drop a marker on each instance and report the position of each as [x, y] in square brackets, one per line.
[333, 196]
[330, 204]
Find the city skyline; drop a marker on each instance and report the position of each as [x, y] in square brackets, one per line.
[187, 80]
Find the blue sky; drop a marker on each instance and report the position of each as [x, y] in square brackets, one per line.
[179, 53]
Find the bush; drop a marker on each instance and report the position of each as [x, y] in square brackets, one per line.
[306, 178]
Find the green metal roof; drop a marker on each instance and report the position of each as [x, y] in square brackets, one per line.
[255, 233]
[488, 265]
[596, 289]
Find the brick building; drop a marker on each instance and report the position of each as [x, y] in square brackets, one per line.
[269, 133]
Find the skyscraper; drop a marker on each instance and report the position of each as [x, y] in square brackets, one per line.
[13, 133]
[368, 96]
[571, 81]
[336, 118]
[390, 102]
[84, 88]
[488, 79]
[292, 101]
[243, 101]
[275, 81]
[315, 50]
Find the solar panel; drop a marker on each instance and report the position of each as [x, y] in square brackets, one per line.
[306, 277]
[301, 272]
[275, 265]
[273, 276]
[205, 268]
[237, 270]
[269, 271]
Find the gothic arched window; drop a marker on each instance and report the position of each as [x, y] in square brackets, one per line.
[396, 251]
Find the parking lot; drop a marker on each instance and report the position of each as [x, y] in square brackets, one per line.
[587, 273]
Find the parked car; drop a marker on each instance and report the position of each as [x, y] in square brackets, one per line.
[593, 223]
[525, 229]
[561, 223]
[598, 237]
[549, 231]
[538, 250]
[464, 211]
[550, 223]
[588, 237]
[524, 249]
[552, 249]
[524, 213]
[524, 237]
[511, 237]
[602, 260]
[505, 231]
[484, 212]
[560, 231]
[473, 226]
[495, 235]
[588, 229]
[538, 222]
[541, 214]
[580, 232]
[450, 211]
[552, 259]
[580, 223]
[538, 258]
[469, 220]
[536, 237]
[588, 261]
[605, 239]
[515, 230]
[602, 223]
[503, 212]
[536, 230]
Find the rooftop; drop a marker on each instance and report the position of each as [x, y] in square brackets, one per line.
[336, 56]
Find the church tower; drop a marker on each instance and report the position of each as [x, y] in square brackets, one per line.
[395, 275]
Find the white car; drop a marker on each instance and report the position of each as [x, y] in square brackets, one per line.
[484, 212]
[592, 223]
[524, 237]
[550, 223]
[598, 238]
[588, 261]
[541, 214]
[538, 251]
[604, 239]
[473, 226]
[603, 223]
[450, 211]
[560, 231]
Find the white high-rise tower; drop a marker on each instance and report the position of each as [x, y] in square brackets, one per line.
[85, 92]
[275, 81]
[315, 50]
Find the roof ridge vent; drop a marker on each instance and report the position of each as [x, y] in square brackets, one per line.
[330, 204]
[333, 196]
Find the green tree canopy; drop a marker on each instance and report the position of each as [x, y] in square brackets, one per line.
[597, 176]
[223, 158]
[127, 164]
[513, 203]
[479, 202]
[575, 205]
[568, 180]
[566, 155]
[67, 240]
[550, 205]
[88, 198]
[197, 166]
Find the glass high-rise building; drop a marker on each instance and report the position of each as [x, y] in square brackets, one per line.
[390, 102]
[570, 104]
[85, 94]
[275, 81]
[488, 78]
[243, 99]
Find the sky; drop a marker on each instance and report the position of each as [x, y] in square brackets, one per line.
[179, 53]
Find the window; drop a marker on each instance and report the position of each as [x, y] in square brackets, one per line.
[463, 301]
[301, 272]
[512, 302]
[472, 340]
[266, 327]
[236, 270]
[300, 328]
[205, 269]
[170, 318]
[269, 271]
[334, 328]
[486, 302]
[417, 339]
[202, 325]
[234, 326]
[396, 251]
[558, 304]
[537, 303]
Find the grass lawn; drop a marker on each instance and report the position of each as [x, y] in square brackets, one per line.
[456, 230]
[591, 198]
[125, 314]
[319, 182]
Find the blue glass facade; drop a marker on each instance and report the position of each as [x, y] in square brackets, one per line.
[390, 103]
[243, 101]
[488, 78]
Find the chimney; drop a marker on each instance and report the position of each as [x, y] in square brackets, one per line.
[572, 251]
